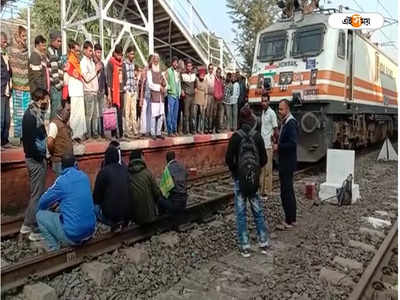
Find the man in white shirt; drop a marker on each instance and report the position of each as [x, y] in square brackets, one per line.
[232, 106]
[90, 88]
[269, 129]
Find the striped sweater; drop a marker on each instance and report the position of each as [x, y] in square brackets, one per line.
[19, 65]
[55, 67]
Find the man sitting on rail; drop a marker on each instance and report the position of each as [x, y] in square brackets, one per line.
[173, 186]
[75, 221]
[112, 196]
[145, 191]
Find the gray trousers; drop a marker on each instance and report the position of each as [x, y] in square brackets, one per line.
[91, 114]
[37, 175]
[208, 125]
[232, 116]
[100, 108]
[187, 115]
[218, 115]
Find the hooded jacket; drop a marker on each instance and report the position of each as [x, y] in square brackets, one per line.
[145, 192]
[72, 192]
[112, 190]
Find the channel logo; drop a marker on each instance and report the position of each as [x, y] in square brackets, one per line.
[356, 21]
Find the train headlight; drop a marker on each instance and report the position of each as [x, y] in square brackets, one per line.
[285, 78]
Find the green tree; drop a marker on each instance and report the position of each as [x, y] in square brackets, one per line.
[250, 17]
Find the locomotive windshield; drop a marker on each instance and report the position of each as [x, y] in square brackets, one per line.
[308, 41]
[272, 46]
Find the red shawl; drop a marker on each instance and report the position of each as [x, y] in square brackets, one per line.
[117, 65]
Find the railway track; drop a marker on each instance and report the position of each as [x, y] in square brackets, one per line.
[203, 200]
[379, 280]
[11, 225]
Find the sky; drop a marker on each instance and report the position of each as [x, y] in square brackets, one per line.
[216, 16]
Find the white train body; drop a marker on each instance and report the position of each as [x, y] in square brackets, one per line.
[343, 87]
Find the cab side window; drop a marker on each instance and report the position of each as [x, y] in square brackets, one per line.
[341, 47]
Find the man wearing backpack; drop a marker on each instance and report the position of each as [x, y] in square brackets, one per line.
[287, 152]
[245, 157]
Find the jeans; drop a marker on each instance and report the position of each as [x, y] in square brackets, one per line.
[55, 101]
[5, 119]
[91, 114]
[241, 218]
[232, 116]
[37, 175]
[172, 117]
[51, 229]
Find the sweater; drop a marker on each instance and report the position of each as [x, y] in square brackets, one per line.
[232, 154]
[38, 72]
[19, 64]
[76, 204]
[145, 192]
[56, 68]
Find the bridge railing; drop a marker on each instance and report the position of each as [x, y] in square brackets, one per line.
[215, 49]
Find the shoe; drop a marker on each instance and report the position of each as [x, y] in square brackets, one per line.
[25, 229]
[160, 137]
[264, 249]
[153, 137]
[245, 253]
[35, 237]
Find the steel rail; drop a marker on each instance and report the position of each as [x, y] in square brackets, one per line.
[11, 225]
[364, 289]
[19, 274]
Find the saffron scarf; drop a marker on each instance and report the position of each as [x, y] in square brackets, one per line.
[73, 67]
[117, 65]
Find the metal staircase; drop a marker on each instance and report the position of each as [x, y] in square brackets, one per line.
[173, 28]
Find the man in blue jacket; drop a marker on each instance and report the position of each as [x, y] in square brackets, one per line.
[74, 220]
[287, 151]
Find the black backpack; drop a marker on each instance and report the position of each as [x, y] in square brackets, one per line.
[344, 194]
[248, 164]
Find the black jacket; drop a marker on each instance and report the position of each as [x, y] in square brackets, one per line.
[287, 146]
[112, 189]
[5, 76]
[145, 192]
[33, 137]
[179, 174]
[231, 157]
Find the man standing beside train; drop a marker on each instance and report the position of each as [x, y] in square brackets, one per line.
[287, 152]
[269, 129]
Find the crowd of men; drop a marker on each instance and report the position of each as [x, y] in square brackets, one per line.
[180, 100]
[148, 101]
